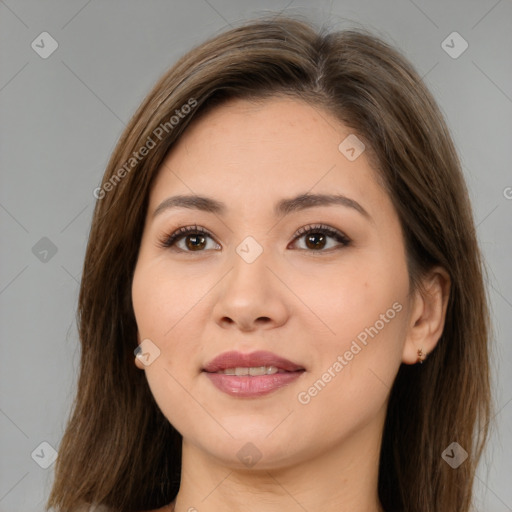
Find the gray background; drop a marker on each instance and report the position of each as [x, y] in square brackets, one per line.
[61, 117]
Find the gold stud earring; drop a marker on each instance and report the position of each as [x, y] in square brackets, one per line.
[421, 356]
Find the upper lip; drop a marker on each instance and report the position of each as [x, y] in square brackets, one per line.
[234, 359]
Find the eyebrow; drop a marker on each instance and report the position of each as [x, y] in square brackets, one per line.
[281, 208]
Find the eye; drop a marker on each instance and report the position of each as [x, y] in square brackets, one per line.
[316, 237]
[194, 238]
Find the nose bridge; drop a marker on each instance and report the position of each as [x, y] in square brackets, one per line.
[250, 275]
[250, 293]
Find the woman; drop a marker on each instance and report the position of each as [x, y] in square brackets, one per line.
[283, 239]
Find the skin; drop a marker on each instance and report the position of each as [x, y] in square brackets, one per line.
[305, 304]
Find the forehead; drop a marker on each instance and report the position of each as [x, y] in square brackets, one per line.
[247, 151]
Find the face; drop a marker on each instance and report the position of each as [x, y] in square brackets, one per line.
[322, 285]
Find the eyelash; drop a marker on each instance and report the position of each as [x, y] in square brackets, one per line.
[169, 240]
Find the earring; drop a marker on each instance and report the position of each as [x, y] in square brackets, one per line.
[421, 356]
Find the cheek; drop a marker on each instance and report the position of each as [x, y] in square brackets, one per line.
[356, 367]
[363, 306]
[161, 303]
[160, 300]
[161, 306]
[353, 296]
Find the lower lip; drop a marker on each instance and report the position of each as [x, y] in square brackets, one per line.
[246, 386]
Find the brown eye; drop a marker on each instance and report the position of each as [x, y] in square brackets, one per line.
[194, 242]
[195, 239]
[317, 238]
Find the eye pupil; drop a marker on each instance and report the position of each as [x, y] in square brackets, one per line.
[195, 238]
[310, 239]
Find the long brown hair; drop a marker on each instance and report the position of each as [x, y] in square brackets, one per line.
[118, 449]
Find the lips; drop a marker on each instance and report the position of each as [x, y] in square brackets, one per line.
[234, 359]
[251, 375]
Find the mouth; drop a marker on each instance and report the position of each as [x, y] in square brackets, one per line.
[251, 375]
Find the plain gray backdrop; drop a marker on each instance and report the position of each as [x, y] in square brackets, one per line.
[61, 116]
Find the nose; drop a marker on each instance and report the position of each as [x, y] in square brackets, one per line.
[251, 297]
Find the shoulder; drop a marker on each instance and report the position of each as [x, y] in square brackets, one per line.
[103, 508]
[166, 508]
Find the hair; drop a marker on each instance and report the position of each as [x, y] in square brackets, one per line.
[118, 449]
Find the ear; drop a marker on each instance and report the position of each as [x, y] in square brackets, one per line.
[138, 363]
[427, 315]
